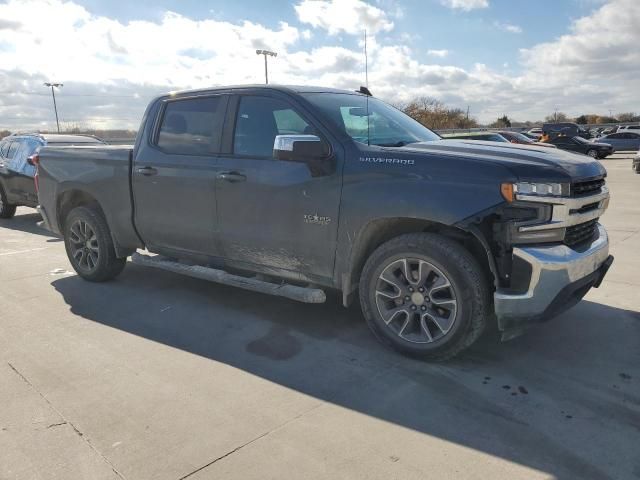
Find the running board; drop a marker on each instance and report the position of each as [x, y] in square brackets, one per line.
[300, 294]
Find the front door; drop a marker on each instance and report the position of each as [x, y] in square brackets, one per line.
[277, 214]
[174, 176]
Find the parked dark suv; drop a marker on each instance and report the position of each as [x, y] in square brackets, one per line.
[17, 186]
[580, 145]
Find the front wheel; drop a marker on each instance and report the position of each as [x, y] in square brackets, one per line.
[89, 245]
[593, 153]
[6, 210]
[424, 295]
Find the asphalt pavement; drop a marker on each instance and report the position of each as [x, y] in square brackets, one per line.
[158, 376]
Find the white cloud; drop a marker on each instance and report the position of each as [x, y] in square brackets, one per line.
[508, 27]
[110, 73]
[349, 16]
[466, 5]
[438, 53]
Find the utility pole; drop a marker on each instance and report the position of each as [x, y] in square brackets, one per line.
[53, 94]
[266, 54]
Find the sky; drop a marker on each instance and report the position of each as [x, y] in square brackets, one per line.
[521, 58]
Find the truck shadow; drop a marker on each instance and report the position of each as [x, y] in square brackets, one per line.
[27, 223]
[551, 400]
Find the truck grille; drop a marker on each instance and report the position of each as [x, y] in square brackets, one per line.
[578, 234]
[591, 187]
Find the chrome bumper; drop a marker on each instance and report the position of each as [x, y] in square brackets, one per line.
[560, 276]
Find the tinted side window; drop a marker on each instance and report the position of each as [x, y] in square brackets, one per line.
[192, 126]
[258, 122]
[13, 148]
[616, 135]
[4, 147]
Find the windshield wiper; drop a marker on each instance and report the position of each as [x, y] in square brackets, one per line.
[401, 143]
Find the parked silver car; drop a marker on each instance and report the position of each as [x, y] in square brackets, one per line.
[622, 140]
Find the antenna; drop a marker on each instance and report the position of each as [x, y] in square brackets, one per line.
[366, 62]
[366, 81]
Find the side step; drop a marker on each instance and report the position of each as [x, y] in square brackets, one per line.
[301, 294]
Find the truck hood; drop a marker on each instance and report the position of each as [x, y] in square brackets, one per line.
[525, 162]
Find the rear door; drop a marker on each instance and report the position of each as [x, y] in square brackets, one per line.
[10, 172]
[277, 214]
[23, 181]
[629, 141]
[174, 176]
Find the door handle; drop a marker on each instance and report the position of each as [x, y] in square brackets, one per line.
[232, 177]
[148, 171]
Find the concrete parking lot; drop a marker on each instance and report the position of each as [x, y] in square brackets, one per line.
[157, 376]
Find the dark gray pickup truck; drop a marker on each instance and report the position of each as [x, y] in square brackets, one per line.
[297, 190]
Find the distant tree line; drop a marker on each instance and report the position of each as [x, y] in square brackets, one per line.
[434, 114]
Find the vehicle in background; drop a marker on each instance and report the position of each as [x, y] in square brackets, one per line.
[580, 145]
[296, 190]
[17, 183]
[568, 129]
[519, 138]
[622, 140]
[485, 136]
[535, 132]
[636, 162]
[628, 128]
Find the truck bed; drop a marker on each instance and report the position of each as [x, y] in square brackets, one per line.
[101, 172]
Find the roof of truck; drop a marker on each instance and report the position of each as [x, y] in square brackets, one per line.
[282, 88]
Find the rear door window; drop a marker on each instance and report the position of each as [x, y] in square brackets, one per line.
[192, 126]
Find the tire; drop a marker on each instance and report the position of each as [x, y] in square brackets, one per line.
[593, 153]
[89, 245]
[6, 210]
[446, 319]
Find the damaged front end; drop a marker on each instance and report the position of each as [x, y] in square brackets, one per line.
[549, 250]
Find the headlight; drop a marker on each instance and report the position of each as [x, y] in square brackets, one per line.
[514, 191]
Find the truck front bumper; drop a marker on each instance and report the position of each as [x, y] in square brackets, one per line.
[560, 277]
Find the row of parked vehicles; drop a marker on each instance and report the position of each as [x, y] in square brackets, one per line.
[626, 139]
[295, 191]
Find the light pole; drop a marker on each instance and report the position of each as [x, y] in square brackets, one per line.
[266, 54]
[53, 93]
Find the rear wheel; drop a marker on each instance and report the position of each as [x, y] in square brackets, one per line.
[6, 210]
[424, 295]
[89, 245]
[593, 153]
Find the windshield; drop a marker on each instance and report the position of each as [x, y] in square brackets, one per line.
[386, 126]
[521, 137]
[581, 140]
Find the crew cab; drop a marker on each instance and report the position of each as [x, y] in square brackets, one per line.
[17, 185]
[294, 191]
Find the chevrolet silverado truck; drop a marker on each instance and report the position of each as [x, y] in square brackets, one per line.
[296, 191]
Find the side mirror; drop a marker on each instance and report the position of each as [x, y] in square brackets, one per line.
[299, 148]
[308, 149]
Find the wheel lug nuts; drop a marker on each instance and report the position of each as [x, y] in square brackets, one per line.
[423, 308]
[413, 307]
[421, 289]
[411, 289]
[407, 298]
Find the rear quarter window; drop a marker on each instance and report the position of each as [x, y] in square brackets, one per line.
[192, 126]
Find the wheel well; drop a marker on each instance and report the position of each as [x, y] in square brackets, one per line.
[381, 231]
[72, 199]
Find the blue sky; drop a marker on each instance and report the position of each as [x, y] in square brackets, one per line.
[523, 58]
[427, 24]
